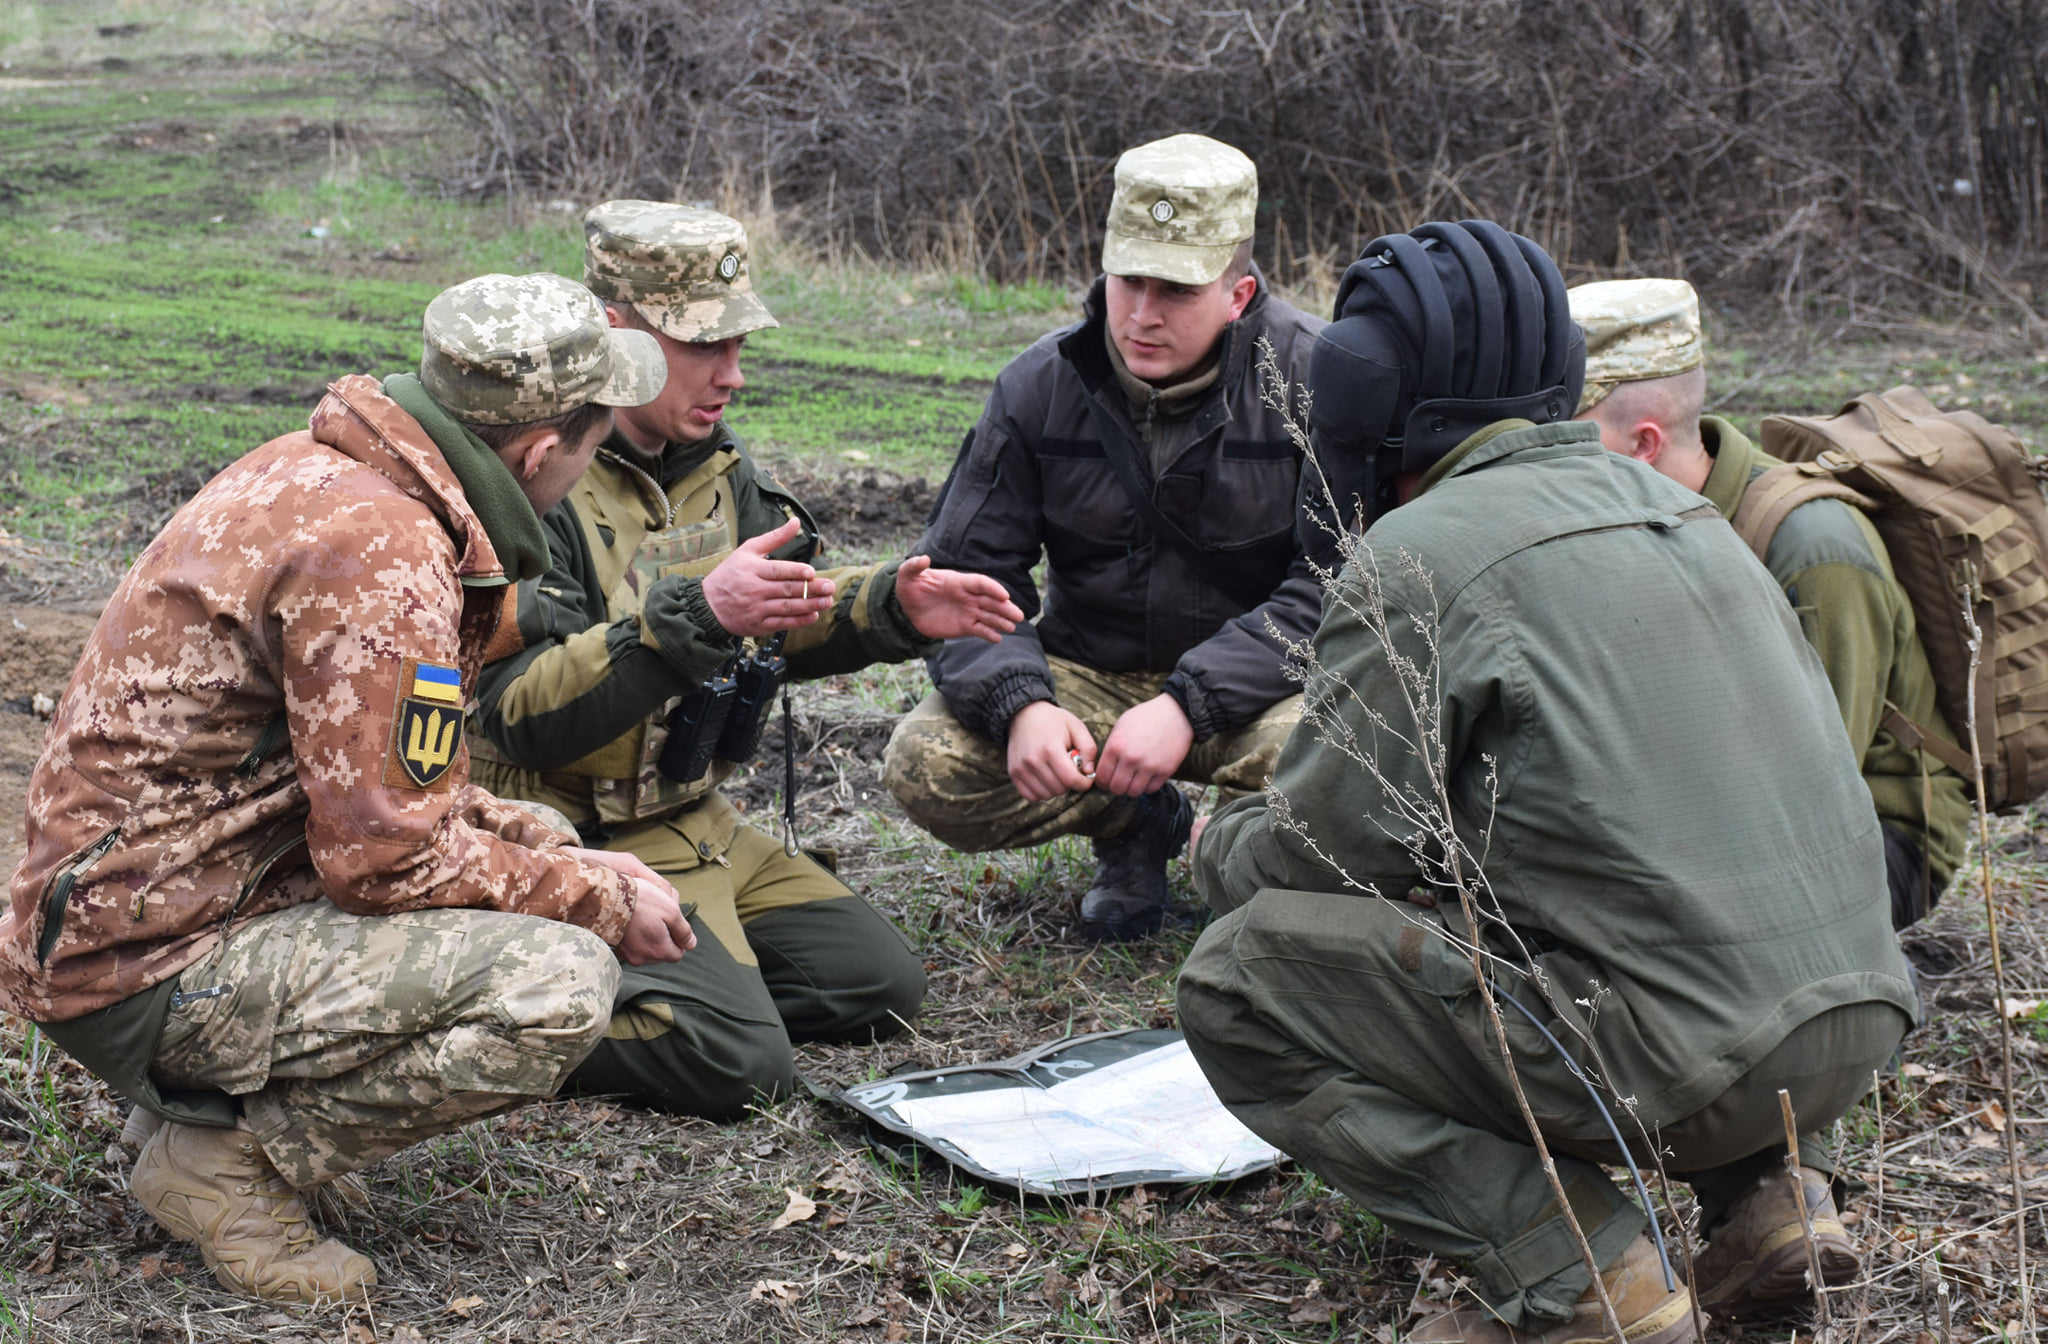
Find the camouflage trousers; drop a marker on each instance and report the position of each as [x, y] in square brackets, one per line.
[350, 1037]
[785, 952]
[956, 783]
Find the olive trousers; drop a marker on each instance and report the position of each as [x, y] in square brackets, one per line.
[1348, 1032]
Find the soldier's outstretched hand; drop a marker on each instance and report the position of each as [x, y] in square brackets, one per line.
[752, 594]
[950, 604]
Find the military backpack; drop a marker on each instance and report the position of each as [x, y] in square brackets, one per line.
[1959, 504]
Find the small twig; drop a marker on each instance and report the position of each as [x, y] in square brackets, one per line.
[1820, 1287]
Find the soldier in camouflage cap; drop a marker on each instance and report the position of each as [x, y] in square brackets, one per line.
[682, 268]
[260, 897]
[674, 556]
[1181, 207]
[1636, 330]
[1646, 390]
[509, 350]
[1135, 453]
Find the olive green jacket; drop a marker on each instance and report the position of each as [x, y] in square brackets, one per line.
[573, 706]
[1700, 862]
[1834, 569]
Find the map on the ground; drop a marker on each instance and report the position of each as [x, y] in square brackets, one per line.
[1086, 1113]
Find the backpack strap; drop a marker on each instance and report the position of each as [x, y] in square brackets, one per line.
[1208, 565]
[1913, 737]
[1773, 495]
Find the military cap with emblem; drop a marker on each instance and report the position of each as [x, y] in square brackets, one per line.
[1181, 207]
[509, 349]
[1636, 330]
[684, 269]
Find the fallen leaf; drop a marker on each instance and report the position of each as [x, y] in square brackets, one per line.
[896, 1333]
[800, 1210]
[2018, 1007]
[462, 1306]
[358, 1333]
[782, 1292]
[45, 1261]
[150, 1266]
[835, 1218]
[50, 1308]
[1992, 1117]
[1314, 1311]
[405, 1334]
[866, 1315]
[1052, 1289]
[1914, 1070]
[845, 1179]
[1016, 1250]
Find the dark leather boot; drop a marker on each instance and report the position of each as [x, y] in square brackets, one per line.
[1127, 899]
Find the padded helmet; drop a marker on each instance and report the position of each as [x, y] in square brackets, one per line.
[1437, 334]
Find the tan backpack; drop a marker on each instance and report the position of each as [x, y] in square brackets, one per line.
[1958, 501]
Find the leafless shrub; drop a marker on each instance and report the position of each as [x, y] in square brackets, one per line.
[1850, 150]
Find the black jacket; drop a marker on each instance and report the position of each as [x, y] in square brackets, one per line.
[1033, 478]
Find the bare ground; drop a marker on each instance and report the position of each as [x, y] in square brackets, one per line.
[590, 1220]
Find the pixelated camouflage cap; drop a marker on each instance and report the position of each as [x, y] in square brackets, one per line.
[1182, 205]
[1636, 329]
[508, 349]
[682, 268]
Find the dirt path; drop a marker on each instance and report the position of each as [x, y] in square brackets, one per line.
[38, 648]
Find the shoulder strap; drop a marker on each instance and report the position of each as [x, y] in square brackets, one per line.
[1212, 568]
[1773, 495]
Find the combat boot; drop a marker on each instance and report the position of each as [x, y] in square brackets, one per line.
[137, 1129]
[1649, 1312]
[1127, 899]
[215, 1187]
[1755, 1263]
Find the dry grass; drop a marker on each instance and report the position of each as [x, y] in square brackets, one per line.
[589, 1220]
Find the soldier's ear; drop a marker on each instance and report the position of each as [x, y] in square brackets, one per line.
[614, 317]
[1241, 295]
[1647, 442]
[535, 452]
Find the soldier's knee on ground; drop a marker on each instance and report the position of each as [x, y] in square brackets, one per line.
[925, 769]
[689, 1059]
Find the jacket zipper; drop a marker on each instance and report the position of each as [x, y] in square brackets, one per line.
[272, 736]
[59, 899]
[653, 488]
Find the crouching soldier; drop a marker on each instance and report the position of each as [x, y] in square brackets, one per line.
[260, 897]
[1533, 700]
[675, 562]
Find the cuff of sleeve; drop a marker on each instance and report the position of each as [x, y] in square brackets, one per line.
[892, 610]
[676, 621]
[1011, 695]
[1198, 706]
[616, 914]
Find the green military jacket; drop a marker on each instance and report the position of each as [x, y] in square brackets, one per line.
[1834, 568]
[574, 708]
[1697, 866]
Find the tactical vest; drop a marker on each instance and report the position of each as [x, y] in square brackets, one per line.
[638, 533]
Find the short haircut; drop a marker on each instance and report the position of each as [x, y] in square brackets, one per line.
[1240, 263]
[1675, 402]
[573, 424]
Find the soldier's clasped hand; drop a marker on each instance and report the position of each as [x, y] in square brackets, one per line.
[752, 594]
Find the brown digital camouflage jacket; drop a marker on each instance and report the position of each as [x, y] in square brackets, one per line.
[270, 711]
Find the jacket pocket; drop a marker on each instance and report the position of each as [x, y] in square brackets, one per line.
[57, 894]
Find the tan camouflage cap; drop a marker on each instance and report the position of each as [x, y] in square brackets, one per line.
[1636, 329]
[508, 349]
[1182, 205]
[683, 269]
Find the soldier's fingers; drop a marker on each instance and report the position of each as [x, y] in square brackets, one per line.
[768, 541]
[783, 574]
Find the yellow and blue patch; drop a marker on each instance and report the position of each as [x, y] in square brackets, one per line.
[426, 728]
[431, 681]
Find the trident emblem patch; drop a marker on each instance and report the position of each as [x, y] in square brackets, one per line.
[426, 730]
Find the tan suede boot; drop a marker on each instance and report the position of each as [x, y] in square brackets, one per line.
[1755, 1262]
[135, 1131]
[1649, 1313]
[215, 1187]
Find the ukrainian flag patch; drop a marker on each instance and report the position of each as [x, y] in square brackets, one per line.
[431, 681]
[426, 727]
